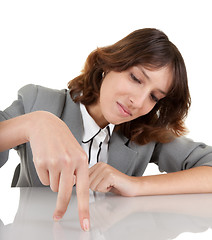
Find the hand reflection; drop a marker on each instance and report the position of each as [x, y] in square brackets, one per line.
[112, 217]
[153, 217]
[60, 233]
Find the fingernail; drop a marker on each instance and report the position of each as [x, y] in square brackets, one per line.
[86, 224]
[56, 218]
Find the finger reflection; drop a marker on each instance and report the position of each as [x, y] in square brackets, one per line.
[112, 217]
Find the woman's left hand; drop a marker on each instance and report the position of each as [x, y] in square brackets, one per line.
[104, 178]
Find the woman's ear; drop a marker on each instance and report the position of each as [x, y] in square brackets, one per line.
[103, 75]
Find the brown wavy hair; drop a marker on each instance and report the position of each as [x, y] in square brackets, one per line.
[152, 49]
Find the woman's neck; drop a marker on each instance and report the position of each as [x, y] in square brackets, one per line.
[95, 112]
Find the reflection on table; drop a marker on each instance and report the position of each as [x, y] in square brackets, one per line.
[112, 217]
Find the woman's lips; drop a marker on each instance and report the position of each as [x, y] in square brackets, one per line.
[123, 110]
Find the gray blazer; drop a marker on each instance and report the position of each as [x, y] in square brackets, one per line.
[124, 155]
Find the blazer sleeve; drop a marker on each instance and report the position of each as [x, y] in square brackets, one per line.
[33, 98]
[27, 94]
[180, 154]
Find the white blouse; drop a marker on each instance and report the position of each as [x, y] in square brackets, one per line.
[95, 140]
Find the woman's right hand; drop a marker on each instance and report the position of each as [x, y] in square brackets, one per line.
[57, 156]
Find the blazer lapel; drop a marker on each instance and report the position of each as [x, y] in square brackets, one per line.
[72, 117]
[120, 156]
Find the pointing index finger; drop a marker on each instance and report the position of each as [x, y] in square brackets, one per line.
[82, 188]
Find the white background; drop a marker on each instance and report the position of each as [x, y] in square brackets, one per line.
[46, 43]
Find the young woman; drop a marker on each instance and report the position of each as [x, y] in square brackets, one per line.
[126, 109]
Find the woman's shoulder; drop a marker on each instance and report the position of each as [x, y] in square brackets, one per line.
[32, 90]
[36, 97]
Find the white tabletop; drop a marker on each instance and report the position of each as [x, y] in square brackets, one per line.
[112, 217]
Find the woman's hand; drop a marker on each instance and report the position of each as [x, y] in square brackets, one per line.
[104, 178]
[57, 156]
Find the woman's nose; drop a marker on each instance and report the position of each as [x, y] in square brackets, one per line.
[138, 100]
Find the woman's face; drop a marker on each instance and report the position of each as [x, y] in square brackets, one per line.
[130, 94]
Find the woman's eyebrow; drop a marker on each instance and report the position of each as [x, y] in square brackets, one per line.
[147, 76]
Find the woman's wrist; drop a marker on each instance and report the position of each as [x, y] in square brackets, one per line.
[31, 123]
[36, 121]
[137, 186]
[131, 187]
[14, 131]
[142, 186]
[18, 130]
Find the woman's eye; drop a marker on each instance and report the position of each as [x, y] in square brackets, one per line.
[155, 99]
[135, 78]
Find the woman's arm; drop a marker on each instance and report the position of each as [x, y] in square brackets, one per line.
[105, 178]
[56, 154]
[13, 132]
